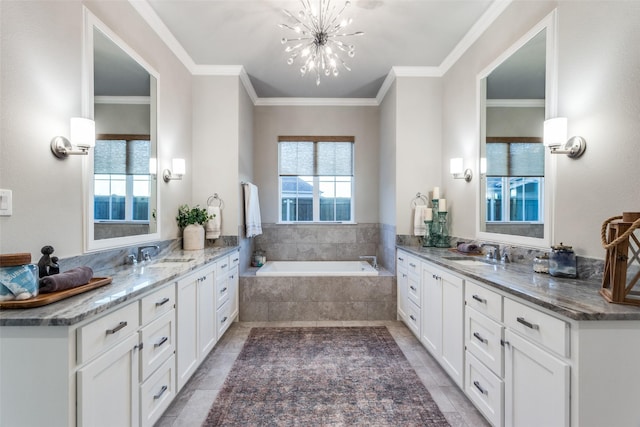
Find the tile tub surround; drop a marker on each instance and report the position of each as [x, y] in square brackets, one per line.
[576, 299]
[318, 242]
[276, 299]
[129, 282]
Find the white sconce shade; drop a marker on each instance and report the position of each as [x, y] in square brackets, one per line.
[555, 137]
[82, 135]
[456, 166]
[555, 131]
[83, 132]
[457, 170]
[179, 169]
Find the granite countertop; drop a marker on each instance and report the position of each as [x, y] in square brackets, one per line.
[572, 298]
[129, 282]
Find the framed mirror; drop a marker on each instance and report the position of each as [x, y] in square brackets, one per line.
[120, 173]
[516, 94]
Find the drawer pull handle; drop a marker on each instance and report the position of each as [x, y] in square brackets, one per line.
[527, 324]
[400, 259]
[505, 343]
[413, 288]
[236, 259]
[223, 266]
[162, 341]
[412, 265]
[223, 290]
[160, 393]
[413, 318]
[231, 277]
[477, 298]
[479, 338]
[162, 302]
[479, 387]
[117, 328]
[404, 275]
[224, 319]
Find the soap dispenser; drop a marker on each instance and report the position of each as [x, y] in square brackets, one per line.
[562, 261]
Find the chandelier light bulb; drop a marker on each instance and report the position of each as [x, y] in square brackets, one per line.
[319, 30]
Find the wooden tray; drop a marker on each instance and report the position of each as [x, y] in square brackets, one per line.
[455, 251]
[44, 299]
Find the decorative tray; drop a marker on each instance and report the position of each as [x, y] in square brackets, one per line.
[475, 253]
[44, 299]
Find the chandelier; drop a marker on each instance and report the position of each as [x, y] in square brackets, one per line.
[317, 41]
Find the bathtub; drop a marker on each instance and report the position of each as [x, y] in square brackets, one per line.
[316, 268]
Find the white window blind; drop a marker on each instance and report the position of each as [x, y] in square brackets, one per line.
[121, 157]
[522, 159]
[309, 158]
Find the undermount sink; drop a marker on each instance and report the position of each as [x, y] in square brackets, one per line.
[171, 262]
[470, 262]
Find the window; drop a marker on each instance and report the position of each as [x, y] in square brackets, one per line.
[515, 180]
[315, 179]
[121, 183]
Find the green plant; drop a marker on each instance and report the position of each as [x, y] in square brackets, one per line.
[194, 215]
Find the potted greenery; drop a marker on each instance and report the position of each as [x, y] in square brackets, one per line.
[192, 221]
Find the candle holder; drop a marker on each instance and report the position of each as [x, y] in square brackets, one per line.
[443, 235]
[428, 236]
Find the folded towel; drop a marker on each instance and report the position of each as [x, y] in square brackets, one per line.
[252, 218]
[419, 216]
[69, 279]
[213, 227]
[467, 247]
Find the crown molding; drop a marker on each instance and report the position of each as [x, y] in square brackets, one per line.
[317, 102]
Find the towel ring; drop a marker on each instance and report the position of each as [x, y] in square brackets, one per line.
[420, 199]
[212, 199]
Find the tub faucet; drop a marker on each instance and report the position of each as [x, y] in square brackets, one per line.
[143, 255]
[496, 252]
[373, 258]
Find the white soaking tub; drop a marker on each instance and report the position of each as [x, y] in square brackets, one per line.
[316, 268]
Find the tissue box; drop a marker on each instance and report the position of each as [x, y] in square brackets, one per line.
[18, 282]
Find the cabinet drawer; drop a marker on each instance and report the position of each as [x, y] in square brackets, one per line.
[157, 392]
[484, 389]
[483, 300]
[401, 260]
[222, 291]
[537, 326]
[414, 266]
[414, 290]
[234, 260]
[157, 303]
[158, 339]
[99, 335]
[483, 338]
[222, 266]
[223, 318]
[413, 318]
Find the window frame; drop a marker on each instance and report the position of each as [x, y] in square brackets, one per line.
[317, 178]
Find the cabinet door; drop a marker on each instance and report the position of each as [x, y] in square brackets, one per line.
[108, 387]
[206, 314]
[186, 329]
[452, 326]
[536, 385]
[431, 310]
[233, 284]
[403, 285]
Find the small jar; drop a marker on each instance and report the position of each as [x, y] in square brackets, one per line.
[562, 262]
[541, 264]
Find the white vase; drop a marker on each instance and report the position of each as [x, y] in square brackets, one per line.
[193, 237]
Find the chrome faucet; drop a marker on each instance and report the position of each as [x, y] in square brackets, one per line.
[143, 255]
[496, 251]
[373, 258]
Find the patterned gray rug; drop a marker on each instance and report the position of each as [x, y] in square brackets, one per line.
[323, 376]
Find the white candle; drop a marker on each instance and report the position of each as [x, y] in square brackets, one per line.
[436, 193]
[442, 205]
[428, 215]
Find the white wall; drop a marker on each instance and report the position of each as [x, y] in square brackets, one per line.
[360, 122]
[41, 46]
[598, 92]
[387, 168]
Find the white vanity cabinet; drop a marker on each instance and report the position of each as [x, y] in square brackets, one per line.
[443, 318]
[403, 284]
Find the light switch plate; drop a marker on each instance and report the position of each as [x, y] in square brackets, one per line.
[6, 202]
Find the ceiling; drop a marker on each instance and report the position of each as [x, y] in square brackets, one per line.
[211, 34]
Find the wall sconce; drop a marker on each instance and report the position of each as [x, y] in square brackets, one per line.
[178, 167]
[83, 137]
[153, 166]
[456, 168]
[483, 165]
[555, 137]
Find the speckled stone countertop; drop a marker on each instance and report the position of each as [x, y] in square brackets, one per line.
[129, 282]
[573, 298]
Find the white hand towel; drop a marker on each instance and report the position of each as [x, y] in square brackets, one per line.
[252, 218]
[419, 215]
[213, 227]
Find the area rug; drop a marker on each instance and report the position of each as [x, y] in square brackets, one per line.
[323, 376]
